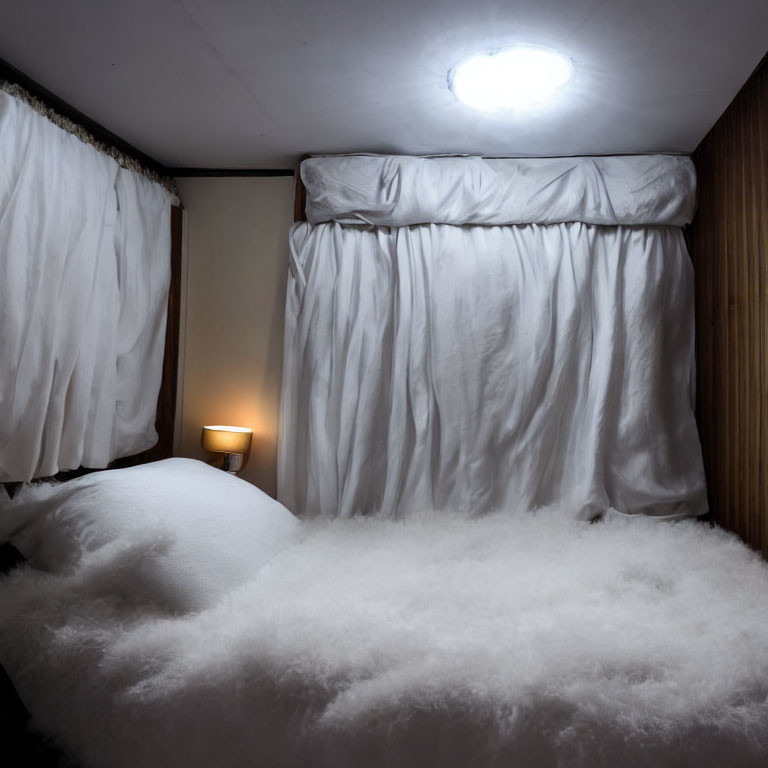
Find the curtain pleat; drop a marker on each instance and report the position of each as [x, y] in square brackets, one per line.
[77, 323]
[142, 249]
[478, 368]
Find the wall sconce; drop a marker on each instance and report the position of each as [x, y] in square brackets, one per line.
[233, 442]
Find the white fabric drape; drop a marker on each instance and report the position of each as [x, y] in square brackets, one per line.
[142, 247]
[77, 323]
[480, 368]
[398, 191]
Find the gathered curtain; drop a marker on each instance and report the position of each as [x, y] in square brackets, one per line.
[438, 356]
[84, 277]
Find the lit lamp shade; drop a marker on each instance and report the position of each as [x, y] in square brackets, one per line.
[233, 442]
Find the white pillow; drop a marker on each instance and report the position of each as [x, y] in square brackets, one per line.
[199, 532]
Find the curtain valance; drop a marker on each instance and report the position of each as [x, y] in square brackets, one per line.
[399, 191]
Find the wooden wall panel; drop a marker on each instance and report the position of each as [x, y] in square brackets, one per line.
[728, 242]
[299, 193]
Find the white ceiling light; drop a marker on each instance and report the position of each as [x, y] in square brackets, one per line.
[512, 78]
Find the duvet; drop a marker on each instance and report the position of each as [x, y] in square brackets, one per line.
[439, 640]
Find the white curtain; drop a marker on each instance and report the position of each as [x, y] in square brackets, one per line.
[434, 366]
[84, 274]
[143, 251]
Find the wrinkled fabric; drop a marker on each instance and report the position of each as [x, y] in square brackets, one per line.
[481, 368]
[399, 191]
[142, 247]
[78, 360]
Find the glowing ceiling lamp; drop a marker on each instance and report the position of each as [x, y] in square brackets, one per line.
[512, 78]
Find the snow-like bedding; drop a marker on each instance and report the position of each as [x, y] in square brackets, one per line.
[529, 640]
[203, 531]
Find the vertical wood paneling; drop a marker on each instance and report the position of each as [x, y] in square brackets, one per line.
[728, 241]
[299, 194]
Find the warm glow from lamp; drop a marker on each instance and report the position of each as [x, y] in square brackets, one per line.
[233, 442]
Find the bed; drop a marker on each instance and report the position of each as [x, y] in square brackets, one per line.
[139, 634]
[487, 428]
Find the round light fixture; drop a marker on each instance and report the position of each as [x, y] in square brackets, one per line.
[512, 78]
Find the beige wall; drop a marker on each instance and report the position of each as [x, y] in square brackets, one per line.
[233, 288]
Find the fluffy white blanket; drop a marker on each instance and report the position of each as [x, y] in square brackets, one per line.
[437, 641]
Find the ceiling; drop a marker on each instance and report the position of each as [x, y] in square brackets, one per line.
[244, 84]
